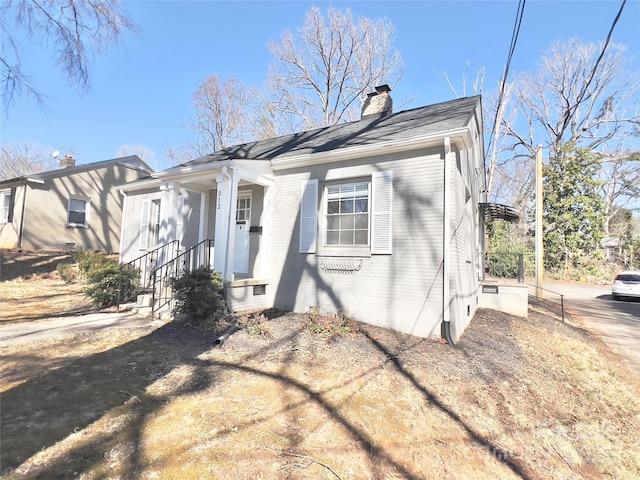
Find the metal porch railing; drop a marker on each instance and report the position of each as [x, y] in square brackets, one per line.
[198, 256]
[143, 266]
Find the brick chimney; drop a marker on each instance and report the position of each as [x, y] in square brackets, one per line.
[67, 161]
[378, 102]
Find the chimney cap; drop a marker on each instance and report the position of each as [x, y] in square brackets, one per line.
[383, 88]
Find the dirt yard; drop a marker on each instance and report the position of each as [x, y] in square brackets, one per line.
[527, 398]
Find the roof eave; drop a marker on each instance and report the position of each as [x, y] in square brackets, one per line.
[460, 136]
[258, 171]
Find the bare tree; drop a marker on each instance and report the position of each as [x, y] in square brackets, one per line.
[477, 85]
[222, 113]
[576, 96]
[179, 155]
[563, 102]
[78, 30]
[142, 152]
[20, 159]
[620, 179]
[324, 70]
[222, 118]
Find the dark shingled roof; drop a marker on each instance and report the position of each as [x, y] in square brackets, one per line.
[370, 130]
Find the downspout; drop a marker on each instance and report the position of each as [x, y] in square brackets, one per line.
[445, 328]
[226, 334]
[122, 224]
[25, 183]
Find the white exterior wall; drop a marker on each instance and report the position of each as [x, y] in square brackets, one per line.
[190, 219]
[463, 266]
[132, 215]
[190, 222]
[403, 290]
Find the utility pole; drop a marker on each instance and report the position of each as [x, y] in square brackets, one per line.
[539, 247]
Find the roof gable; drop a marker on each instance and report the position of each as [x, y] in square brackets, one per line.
[132, 161]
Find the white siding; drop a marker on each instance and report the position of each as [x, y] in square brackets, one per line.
[402, 290]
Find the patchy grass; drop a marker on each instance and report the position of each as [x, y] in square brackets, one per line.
[30, 265]
[520, 398]
[32, 288]
[38, 298]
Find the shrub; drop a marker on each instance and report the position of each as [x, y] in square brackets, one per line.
[102, 276]
[199, 296]
[68, 272]
[103, 279]
[254, 324]
[103, 283]
[330, 324]
[90, 261]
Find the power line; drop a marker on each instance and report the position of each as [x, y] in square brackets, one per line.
[503, 82]
[570, 112]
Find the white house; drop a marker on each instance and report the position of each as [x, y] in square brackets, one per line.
[380, 217]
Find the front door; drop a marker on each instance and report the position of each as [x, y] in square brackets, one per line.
[243, 222]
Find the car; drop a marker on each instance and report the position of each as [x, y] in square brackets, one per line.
[626, 284]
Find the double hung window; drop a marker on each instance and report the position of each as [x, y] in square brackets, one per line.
[347, 214]
[5, 206]
[348, 217]
[78, 212]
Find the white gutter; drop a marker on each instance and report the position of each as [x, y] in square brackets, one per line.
[446, 231]
[122, 223]
[397, 145]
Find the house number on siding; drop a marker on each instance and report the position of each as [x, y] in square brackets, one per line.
[219, 203]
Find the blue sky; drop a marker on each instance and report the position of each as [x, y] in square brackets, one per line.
[141, 90]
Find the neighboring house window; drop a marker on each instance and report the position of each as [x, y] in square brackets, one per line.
[356, 216]
[78, 214]
[6, 206]
[347, 214]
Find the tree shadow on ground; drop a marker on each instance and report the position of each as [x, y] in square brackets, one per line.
[39, 413]
[14, 265]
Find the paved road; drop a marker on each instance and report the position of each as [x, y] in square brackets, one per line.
[21, 332]
[615, 322]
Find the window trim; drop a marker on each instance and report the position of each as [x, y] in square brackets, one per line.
[4, 219]
[87, 210]
[312, 216]
[360, 250]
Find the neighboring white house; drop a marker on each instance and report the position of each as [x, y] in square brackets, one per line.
[379, 217]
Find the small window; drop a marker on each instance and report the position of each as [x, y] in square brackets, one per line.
[243, 210]
[347, 214]
[78, 214]
[5, 205]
